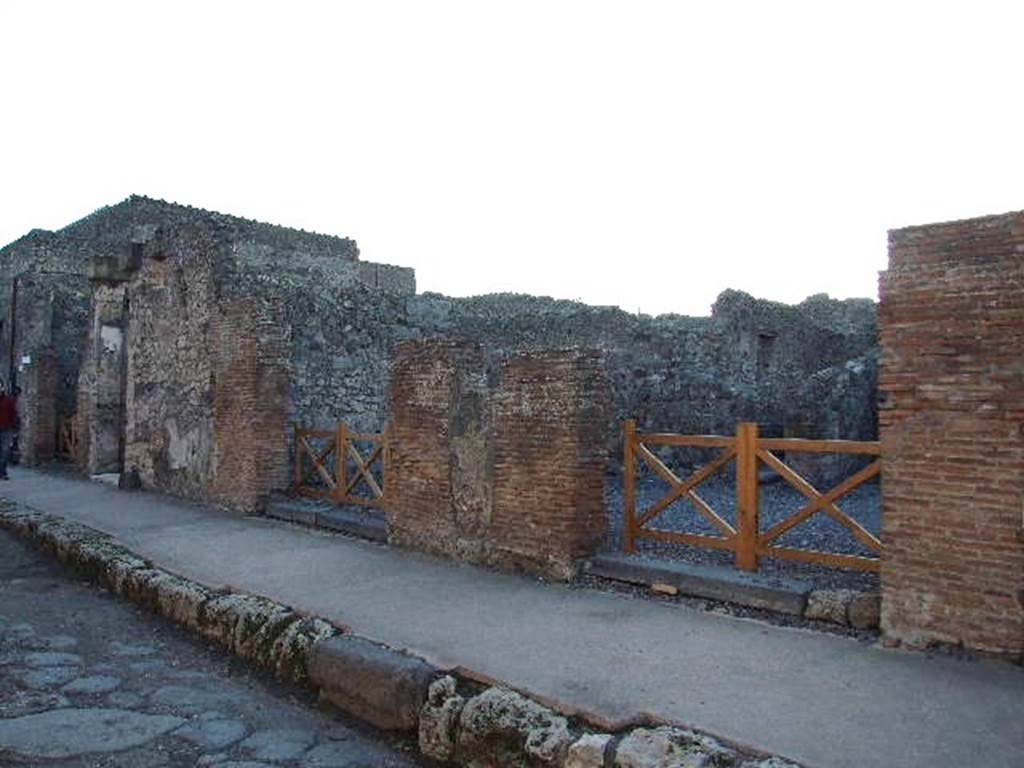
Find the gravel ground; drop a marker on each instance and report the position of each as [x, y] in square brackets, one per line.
[778, 500]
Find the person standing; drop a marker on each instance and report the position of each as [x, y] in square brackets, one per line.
[8, 426]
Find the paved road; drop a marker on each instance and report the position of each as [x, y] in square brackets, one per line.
[89, 680]
[825, 701]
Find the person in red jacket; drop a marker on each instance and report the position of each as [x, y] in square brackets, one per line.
[8, 426]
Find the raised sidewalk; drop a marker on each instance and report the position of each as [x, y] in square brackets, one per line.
[818, 699]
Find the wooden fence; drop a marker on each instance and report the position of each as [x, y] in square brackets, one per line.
[330, 464]
[67, 438]
[745, 538]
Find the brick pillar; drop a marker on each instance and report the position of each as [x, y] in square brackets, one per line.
[439, 478]
[952, 427]
[551, 422]
[251, 390]
[510, 476]
[38, 408]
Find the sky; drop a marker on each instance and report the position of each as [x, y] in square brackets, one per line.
[642, 154]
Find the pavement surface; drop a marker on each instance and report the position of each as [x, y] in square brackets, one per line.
[89, 680]
[816, 698]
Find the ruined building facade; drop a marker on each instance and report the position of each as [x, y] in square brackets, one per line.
[184, 342]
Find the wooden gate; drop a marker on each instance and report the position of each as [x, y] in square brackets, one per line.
[343, 466]
[67, 438]
[745, 538]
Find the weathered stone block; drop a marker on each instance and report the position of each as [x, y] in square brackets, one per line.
[829, 605]
[864, 611]
[439, 719]
[501, 727]
[373, 683]
[671, 748]
[588, 751]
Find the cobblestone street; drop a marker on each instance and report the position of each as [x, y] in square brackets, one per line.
[88, 680]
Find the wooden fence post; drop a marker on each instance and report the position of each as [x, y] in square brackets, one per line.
[746, 496]
[340, 462]
[385, 464]
[629, 487]
[297, 456]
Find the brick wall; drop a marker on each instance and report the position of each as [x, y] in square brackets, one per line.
[250, 402]
[509, 474]
[952, 425]
[38, 407]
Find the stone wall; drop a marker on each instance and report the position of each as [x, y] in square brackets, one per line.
[807, 370]
[952, 428]
[505, 470]
[99, 413]
[171, 301]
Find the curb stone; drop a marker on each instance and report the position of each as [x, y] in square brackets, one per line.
[373, 682]
[456, 722]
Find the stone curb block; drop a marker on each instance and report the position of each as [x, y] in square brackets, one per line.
[390, 689]
[773, 593]
[379, 685]
[255, 628]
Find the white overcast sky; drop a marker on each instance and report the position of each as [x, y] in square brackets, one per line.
[644, 154]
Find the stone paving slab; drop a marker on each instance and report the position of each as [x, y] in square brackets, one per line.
[819, 699]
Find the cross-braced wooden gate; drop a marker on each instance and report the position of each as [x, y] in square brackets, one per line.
[67, 438]
[745, 538]
[341, 465]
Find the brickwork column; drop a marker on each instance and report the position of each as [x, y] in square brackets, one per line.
[250, 402]
[551, 422]
[439, 478]
[951, 422]
[510, 475]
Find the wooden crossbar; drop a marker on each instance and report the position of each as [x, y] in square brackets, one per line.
[798, 445]
[693, 539]
[363, 470]
[833, 559]
[693, 441]
[318, 461]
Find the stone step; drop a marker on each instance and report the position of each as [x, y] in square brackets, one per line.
[339, 519]
[755, 590]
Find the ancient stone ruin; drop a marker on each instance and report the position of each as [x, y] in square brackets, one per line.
[179, 347]
[157, 325]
